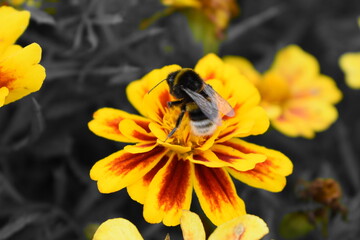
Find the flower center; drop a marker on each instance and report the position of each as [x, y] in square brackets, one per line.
[183, 135]
[275, 92]
[274, 88]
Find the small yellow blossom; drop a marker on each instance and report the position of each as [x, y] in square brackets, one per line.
[20, 71]
[163, 174]
[350, 64]
[245, 227]
[298, 99]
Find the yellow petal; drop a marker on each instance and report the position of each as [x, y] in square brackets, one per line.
[16, 23]
[207, 158]
[136, 91]
[233, 154]
[244, 66]
[322, 88]
[116, 229]
[106, 124]
[304, 117]
[245, 227]
[350, 64]
[139, 189]
[169, 192]
[121, 169]
[137, 133]
[270, 174]
[4, 91]
[217, 194]
[191, 226]
[20, 71]
[182, 3]
[294, 64]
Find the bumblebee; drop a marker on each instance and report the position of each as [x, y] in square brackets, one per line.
[199, 99]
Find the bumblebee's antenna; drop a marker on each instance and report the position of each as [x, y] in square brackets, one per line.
[156, 85]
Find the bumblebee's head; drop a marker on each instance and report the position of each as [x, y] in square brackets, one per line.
[184, 78]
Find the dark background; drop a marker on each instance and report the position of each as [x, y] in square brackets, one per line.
[93, 49]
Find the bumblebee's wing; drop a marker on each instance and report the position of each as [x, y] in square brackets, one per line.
[222, 105]
[209, 108]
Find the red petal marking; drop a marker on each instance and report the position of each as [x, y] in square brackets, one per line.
[175, 184]
[145, 145]
[261, 171]
[5, 80]
[226, 134]
[151, 174]
[144, 137]
[200, 158]
[226, 157]
[214, 185]
[239, 147]
[300, 112]
[142, 124]
[114, 124]
[164, 98]
[128, 161]
[209, 76]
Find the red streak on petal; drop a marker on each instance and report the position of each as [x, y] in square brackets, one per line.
[175, 184]
[226, 157]
[261, 171]
[226, 133]
[5, 80]
[299, 112]
[150, 175]
[145, 145]
[239, 147]
[200, 158]
[114, 124]
[164, 98]
[143, 124]
[214, 186]
[129, 161]
[209, 76]
[143, 137]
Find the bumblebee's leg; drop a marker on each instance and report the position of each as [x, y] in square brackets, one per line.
[174, 103]
[178, 121]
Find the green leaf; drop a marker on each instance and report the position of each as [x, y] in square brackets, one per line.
[294, 225]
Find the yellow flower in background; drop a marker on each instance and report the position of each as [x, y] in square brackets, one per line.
[245, 227]
[299, 100]
[21, 3]
[20, 71]
[218, 12]
[207, 19]
[162, 174]
[350, 65]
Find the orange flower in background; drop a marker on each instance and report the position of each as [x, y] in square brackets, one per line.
[161, 171]
[245, 227]
[297, 98]
[20, 71]
[350, 65]
[218, 12]
[207, 19]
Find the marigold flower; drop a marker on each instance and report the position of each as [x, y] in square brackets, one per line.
[218, 12]
[162, 174]
[20, 73]
[245, 227]
[297, 98]
[350, 65]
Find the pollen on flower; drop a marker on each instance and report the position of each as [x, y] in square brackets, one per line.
[181, 135]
